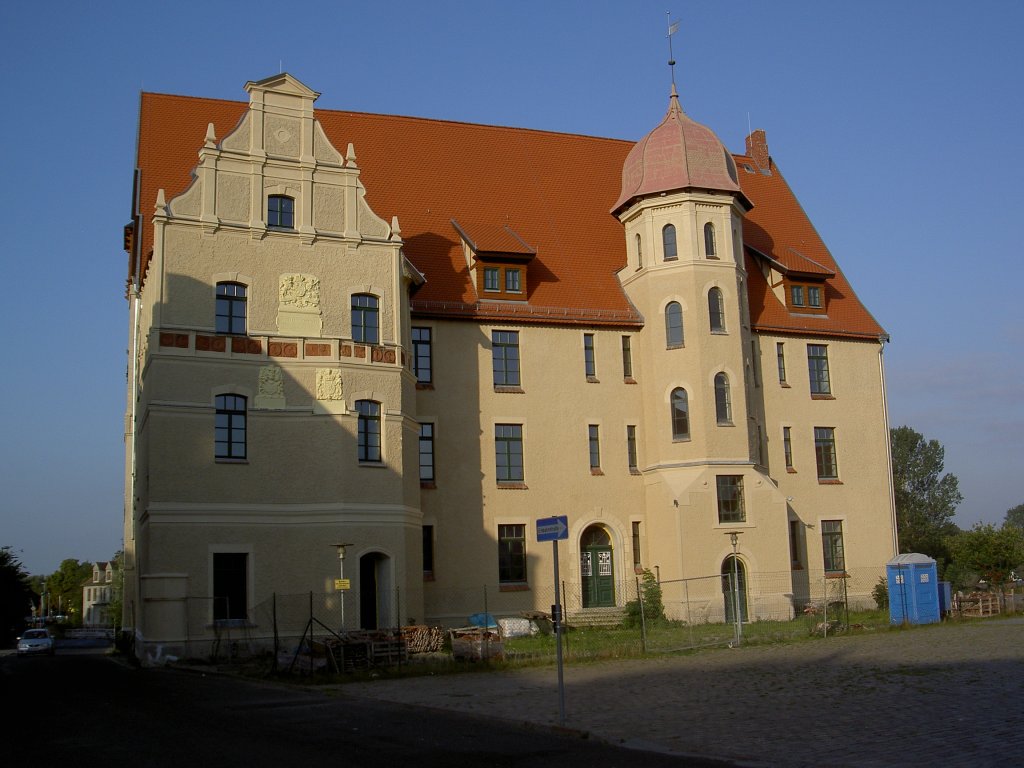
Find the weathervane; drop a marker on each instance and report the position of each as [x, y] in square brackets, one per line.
[673, 27]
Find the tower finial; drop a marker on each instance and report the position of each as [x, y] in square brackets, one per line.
[673, 27]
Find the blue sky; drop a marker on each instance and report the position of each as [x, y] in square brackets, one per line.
[897, 124]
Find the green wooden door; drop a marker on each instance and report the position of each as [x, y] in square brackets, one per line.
[597, 569]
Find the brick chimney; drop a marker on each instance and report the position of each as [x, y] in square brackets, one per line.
[757, 149]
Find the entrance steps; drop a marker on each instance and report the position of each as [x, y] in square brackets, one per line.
[596, 617]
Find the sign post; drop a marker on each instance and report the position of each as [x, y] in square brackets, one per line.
[554, 529]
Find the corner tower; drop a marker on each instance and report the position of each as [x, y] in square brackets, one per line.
[682, 210]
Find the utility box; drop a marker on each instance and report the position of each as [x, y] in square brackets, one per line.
[913, 589]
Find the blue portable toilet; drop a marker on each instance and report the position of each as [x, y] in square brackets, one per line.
[913, 589]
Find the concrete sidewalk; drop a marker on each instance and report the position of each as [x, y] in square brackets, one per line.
[950, 695]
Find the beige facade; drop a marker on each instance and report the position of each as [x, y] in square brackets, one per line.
[251, 453]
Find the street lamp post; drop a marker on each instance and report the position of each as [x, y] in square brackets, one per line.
[734, 537]
[341, 575]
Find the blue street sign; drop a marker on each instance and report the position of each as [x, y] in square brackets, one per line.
[553, 528]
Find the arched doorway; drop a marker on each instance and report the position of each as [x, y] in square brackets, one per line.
[731, 566]
[374, 591]
[596, 568]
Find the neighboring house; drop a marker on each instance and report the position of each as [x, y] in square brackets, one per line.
[417, 337]
[96, 596]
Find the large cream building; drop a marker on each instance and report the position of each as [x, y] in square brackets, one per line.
[416, 338]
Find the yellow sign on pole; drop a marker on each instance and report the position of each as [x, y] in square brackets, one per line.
[342, 584]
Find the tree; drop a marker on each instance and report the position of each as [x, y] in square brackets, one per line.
[16, 602]
[64, 588]
[1015, 517]
[992, 553]
[926, 499]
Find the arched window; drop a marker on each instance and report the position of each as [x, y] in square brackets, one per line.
[709, 241]
[365, 324]
[716, 310]
[230, 312]
[369, 430]
[723, 402]
[229, 427]
[680, 415]
[673, 325]
[280, 212]
[668, 241]
[639, 252]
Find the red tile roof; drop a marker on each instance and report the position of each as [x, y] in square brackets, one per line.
[553, 190]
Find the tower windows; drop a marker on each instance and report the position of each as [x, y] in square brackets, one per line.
[229, 427]
[709, 241]
[673, 325]
[723, 402]
[369, 430]
[680, 415]
[668, 242]
[716, 310]
[365, 321]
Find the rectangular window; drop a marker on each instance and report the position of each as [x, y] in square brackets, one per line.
[627, 358]
[365, 321]
[280, 212]
[505, 358]
[832, 546]
[426, 453]
[428, 551]
[634, 465]
[813, 296]
[492, 279]
[508, 453]
[594, 437]
[825, 453]
[796, 293]
[229, 427]
[230, 312]
[780, 357]
[817, 367]
[787, 446]
[513, 282]
[422, 355]
[589, 364]
[512, 554]
[369, 430]
[794, 543]
[636, 545]
[230, 593]
[730, 499]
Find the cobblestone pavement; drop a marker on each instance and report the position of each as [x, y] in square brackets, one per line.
[950, 695]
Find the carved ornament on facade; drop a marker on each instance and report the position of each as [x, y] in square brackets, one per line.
[328, 384]
[300, 291]
[271, 382]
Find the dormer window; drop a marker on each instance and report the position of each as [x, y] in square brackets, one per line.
[280, 212]
[806, 297]
[498, 258]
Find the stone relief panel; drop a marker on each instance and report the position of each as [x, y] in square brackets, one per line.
[238, 140]
[270, 394]
[189, 202]
[233, 197]
[328, 384]
[329, 208]
[322, 149]
[300, 292]
[283, 136]
[298, 311]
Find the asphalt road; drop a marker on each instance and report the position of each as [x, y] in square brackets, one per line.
[85, 706]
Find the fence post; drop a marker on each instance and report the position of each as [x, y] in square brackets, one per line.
[643, 619]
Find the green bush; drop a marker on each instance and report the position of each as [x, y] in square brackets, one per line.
[880, 593]
[653, 605]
